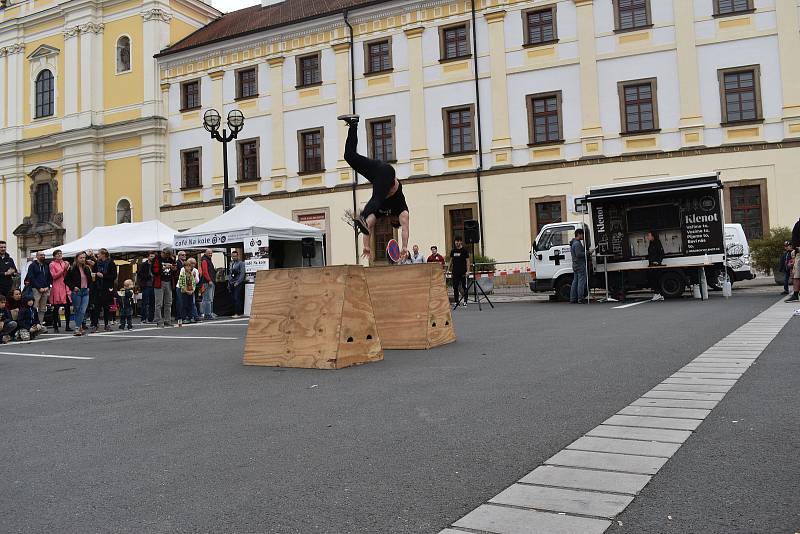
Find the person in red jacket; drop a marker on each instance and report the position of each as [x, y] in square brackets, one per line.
[208, 275]
[435, 256]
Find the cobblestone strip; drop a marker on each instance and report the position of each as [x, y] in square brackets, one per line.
[583, 487]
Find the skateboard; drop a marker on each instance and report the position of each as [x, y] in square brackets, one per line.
[393, 250]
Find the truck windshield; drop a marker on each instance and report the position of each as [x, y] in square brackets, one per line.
[554, 237]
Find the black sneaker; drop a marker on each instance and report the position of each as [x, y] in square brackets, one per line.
[793, 298]
[361, 224]
[351, 120]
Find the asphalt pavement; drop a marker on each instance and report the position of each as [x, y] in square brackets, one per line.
[173, 434]
[740, 472]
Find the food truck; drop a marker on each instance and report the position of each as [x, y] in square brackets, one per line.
[686, 214]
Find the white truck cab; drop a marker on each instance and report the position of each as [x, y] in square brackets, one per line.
[551, 260]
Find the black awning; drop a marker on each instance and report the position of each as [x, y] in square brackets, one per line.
[649, 187]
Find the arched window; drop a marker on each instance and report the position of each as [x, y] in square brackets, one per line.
[123, 54]
[123, 211]
[45, 95]
[44, 202]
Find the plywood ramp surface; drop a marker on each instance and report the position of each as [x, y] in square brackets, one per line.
[411, 306]
[313, 318]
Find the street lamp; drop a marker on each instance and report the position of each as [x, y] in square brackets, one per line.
[211, 122]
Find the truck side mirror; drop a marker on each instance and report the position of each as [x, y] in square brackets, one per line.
[533, 245]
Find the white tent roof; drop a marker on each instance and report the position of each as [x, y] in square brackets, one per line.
[245, 220]
[121, 238]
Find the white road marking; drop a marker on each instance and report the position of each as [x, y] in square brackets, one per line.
[634, 440]
[630, 305]
[32, 355]
[40, 340]
[165, 337]
[117, 332]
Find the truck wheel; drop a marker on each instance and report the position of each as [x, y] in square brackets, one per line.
[563, 288]
[672, 284]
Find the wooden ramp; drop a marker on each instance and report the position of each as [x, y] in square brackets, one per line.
[411, 306]
[313, 318]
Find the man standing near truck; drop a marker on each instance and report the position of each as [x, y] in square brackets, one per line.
[580, 277]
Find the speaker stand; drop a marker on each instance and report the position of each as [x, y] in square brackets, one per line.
[475, 286]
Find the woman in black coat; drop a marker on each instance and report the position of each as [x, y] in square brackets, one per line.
[655, 255]
[79, 282]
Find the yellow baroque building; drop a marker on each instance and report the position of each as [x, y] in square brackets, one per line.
[82, 140]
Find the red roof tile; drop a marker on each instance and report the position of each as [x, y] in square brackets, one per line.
[256, 18]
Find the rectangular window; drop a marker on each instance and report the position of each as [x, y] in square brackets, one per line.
[308, 70]
[740, 91]
[190, 95]
[540, 26]
[382, 232]
[548, 213]
[247, 83]
[311, 150]
[546, 210]
[632, 14]
[732, 7]
[544, 118]
[378, 56]
[248, 160]
[454, 42]
[638, 106]
[380, 134]
[45, 94]
[746, 210]
[190, 168]
[457, 218]
[454, 217]
[458, 130]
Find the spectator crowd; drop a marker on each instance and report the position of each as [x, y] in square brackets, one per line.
[170, 289]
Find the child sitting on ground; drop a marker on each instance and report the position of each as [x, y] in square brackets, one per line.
[28, 320]
[126, 310]
[7, 326]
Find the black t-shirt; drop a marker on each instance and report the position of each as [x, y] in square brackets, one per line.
[6, 263]
[395, 204]
[458, 260]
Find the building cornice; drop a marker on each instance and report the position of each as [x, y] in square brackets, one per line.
[294, 30]
[149, 125]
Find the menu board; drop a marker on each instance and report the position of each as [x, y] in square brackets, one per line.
[702, 225]
[609, 224]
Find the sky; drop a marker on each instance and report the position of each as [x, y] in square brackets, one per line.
[232, 5]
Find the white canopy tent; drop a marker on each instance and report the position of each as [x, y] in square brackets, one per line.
[120, 239]
[243, 221]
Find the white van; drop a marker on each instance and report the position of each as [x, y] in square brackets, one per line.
[738, 252]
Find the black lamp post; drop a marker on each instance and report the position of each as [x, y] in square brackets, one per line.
[211, 122]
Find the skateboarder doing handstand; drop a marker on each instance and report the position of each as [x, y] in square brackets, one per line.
[387, 191]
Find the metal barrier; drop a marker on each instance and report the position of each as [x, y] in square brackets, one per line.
[505, 278]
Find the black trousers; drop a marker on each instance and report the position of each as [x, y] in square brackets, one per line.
[381, 175]
[460, 282]
[102, 302]
[57, 319]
